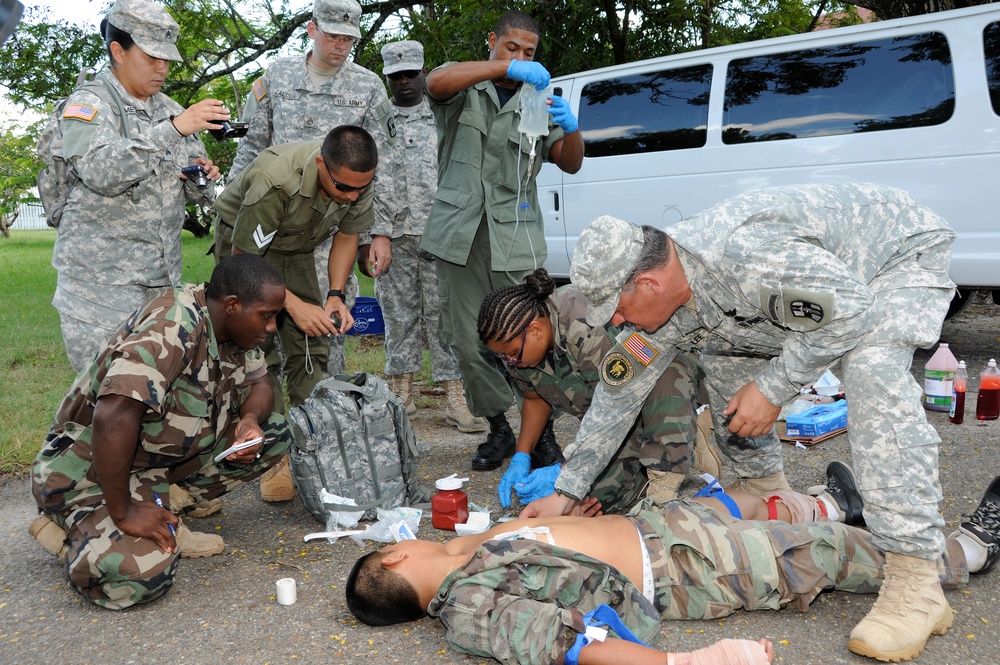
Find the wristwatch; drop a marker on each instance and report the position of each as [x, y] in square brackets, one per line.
[335, 292]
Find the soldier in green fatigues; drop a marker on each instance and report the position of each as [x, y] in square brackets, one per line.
[289, 200]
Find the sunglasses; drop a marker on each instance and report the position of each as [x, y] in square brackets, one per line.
[406, 73]
[515, 361]
[341, 187]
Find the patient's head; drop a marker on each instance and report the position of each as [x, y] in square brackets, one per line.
[379, 596]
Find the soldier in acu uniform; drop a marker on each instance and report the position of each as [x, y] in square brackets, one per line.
[772, 287]
[180, 382]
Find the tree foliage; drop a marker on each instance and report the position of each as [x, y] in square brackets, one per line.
[19, 166]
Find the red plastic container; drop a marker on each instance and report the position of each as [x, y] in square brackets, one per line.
[450, 506]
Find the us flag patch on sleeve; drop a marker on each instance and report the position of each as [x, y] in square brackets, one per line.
[641, 349]
[80, 112]
[258, 90]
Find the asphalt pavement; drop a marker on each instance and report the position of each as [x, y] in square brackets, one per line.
[223, 609]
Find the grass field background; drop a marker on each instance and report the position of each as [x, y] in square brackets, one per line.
[34, 371]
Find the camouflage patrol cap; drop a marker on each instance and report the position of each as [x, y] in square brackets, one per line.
[401, 56]
[605, 255]
[338, 17]
[150, 26]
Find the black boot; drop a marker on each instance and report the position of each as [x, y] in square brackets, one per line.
[547, 451]
[841, 485]
[499, 445]
[984, 525]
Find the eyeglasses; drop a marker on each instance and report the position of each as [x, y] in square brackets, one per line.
[338, 40]
[347, 189]
[516, 361]
[405, 74]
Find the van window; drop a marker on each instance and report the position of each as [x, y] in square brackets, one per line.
[991, 46]
[860, 87]
[650, 112]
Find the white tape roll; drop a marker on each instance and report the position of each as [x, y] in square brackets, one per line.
[286, 591]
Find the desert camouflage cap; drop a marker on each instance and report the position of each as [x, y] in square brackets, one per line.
[338, 17]
[152, 29]
[401, 56]
[605, 255]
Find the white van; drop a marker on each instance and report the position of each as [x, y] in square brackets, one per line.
[913, 103]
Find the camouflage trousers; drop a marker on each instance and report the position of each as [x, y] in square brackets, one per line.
[707, 564]
[91, 313]
[661, 438]
[408, 296]
[337, 362]
[115, 570]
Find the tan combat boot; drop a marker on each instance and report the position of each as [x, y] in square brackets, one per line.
[457, 412]
[706, 457]
[909, 609]
[195, 545]
[663, 485]
[50, 536]
[402, 385]
[763, 487]
[276, 483]
[182, 503]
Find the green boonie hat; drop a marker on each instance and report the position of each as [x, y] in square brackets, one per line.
[150, 26]
[402, 56]
[605, 256]
[338, 17]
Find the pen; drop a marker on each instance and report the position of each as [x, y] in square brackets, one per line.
[156, 497]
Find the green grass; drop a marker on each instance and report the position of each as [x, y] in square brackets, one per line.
[34, 371]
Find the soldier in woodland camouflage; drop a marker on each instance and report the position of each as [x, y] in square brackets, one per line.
[119, 240]
[772, 287]
[302, 97]
[559, 367]
[525, 591]
[407, 290]
[179, 383]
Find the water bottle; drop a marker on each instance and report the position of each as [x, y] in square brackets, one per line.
[534, 110]
[988, 402]
[939, 375]
[450, 506]
[957, 413]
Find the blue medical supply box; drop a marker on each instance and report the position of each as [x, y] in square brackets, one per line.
[367, 317]
[820, 420]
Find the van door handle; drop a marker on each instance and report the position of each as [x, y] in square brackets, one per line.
[555, 201]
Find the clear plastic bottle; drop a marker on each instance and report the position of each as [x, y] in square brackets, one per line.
[957, 414]
[988, 402]
[450, 506]
[939, 374]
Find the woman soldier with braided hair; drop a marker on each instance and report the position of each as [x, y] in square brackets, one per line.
[557, 359]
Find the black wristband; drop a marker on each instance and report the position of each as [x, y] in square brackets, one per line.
[335, 292]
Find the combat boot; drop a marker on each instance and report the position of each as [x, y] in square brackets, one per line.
[402, 385]
[909, 609]
[705, 457]
[663, 485]
[841, 490]
[763, 487]
[49, 535]
[195, 545]
[983, 528]
[276, 483]
[457, 412]
[182, 503]
[498, 446]
[547, 451]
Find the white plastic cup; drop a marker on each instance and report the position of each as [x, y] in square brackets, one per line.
[286, 591]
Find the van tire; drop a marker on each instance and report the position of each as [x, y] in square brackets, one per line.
[961, 300]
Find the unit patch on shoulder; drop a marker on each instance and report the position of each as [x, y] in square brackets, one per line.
[617, 369]
[798, 309]
[640, 348]
[80, 112]
[258, 90]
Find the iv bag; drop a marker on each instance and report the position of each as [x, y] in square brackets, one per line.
[534, 110]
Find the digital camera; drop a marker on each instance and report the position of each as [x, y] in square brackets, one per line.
[230, 130]
[196, 174]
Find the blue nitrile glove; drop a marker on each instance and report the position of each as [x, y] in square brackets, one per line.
[562, 116]
[529, 72]
[517, 472]
[540, 483]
